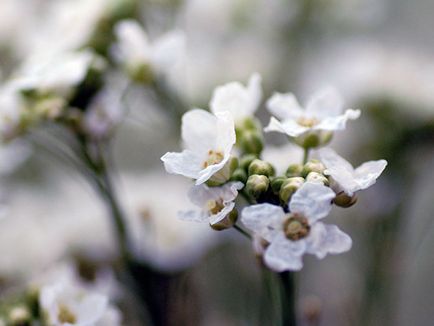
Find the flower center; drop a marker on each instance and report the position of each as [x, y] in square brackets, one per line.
[65, 315]
[215, 206]
[296, 227]
[307, 122]
[214, 157]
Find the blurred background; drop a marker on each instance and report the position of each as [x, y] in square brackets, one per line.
[379, 54]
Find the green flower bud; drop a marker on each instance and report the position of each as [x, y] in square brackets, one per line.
[223, 176]
[228, 222]
[19, 315]
[312, 166]
[239, 175]
[313, 139]
[318, 178]
[251, 142]
[294, 170]
[246, 160]
[257, 185]
[343, 200]
[261, 167]
[276, 184]
[289, 187]
[251, 124]
[140, 73]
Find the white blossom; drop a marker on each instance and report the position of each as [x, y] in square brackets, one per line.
[347, 178]
[241, 101]
[208, 140]
[134, 49]
[323, 112]
[298, 232]
[215, 202]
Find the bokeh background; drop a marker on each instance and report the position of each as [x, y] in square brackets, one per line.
[378, 53]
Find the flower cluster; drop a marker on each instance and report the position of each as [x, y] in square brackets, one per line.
[284, 212]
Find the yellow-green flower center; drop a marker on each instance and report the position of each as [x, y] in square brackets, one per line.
[215, 206]
[307, 122]
[296, 227]
[214, 157]
[65, 315]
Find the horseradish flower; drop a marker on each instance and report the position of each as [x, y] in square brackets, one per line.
[345, 177]
[240, 101]
[323, 113]
[11, 107]
[208, 140]
[216, 203]
[293, 234]
[141, 57]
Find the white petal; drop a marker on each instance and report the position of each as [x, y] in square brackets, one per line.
[199, 130]
[226, 137]
[367, 173]
[168, 50]
[200, 195]
[339, 169]
[193, 216]
[284, 106]
[312, 200]
[285, 255]
[133, 44]
[288, 127]
[240, 101]
[185, 163]
[265, 220]
[338, 122]
[325, 103]
[213, 219]
[327, 239]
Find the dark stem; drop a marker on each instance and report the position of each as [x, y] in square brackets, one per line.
[288, 295]
[243, 232]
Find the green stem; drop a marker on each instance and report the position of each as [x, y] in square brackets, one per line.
[306, 155]
[288, 297]
[243, 232]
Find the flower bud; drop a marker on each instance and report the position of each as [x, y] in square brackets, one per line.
[276, 184]
[19, 315]
[246, 160]
[222, 176]
[317, 178]
[345, 201]
[312, 166]
[227, 222]
[257, 185]
[239, 175]
[294, 170]
[289, 187]
[261, 167]
[251, 124]
[251, 142]
[314, 139]
[141, 73]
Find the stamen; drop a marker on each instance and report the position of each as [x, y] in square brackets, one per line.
[214, 157]
[296, 227]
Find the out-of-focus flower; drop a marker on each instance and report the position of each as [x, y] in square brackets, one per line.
[215, 202]
[242, 102]
[64, 300]
[323, 113]
[11, 108]
[299, 232]
[141, 58]
[209, 140]
[345, 177]
[12, 155]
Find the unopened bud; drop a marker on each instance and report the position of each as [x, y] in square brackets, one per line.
[261, 167]
[140, 73]
[312, 166]
[313, 139]
[257, 185]
[289, 187]
[246, 160]
[276, 184]
[226, 223]
[317, 178]
[251, 142]
[294, 170]
[239, 175]
[343, 200]
[19, 316]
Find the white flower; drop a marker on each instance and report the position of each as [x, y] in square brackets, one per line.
[209, 140]
[134, 48]
[240, 101]
[299, 232]
[347, 178]
[54, 74]
[323, 112]
[11, 107]
[215, 202]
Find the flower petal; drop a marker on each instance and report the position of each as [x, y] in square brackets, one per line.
[167, 50]
[133, 44]
[284, 106]
[185, 163]
[367, 173]
[337, 122]
[265, 220]
[325, 103]
[312, 200]
[193, 216]
[215, 218]
[199, 130]
[288, 127]
[326, 239]
[285, 255]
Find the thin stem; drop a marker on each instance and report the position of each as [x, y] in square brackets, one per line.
[243, 232]
[306, 155]
[288, 295]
